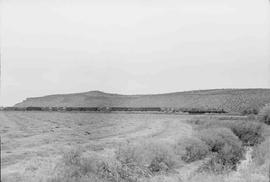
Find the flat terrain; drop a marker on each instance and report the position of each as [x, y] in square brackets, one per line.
[32, 142]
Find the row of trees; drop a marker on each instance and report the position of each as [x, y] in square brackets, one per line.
[112, 109]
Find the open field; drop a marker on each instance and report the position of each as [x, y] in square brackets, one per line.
[33, 143]
[45, 136]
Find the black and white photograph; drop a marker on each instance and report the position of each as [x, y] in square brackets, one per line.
[134, 91]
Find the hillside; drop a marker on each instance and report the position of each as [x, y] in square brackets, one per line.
[231, 100]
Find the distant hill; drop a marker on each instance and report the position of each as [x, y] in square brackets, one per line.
[231, 100]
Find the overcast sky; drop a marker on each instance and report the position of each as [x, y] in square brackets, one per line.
[132, 46]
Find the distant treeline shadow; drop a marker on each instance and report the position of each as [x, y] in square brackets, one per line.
[118, 109]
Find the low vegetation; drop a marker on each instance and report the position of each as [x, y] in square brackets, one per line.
[261, 154]
[264, 114]
[194, 149]
[250, 111]
[130, 163]
[227, 139]
[221, 144]
[156, 157]
[214, 150]
[226, 148]
[249, 132]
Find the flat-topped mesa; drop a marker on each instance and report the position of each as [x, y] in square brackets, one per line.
[229, 100]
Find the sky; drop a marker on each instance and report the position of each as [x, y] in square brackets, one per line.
[132, 46]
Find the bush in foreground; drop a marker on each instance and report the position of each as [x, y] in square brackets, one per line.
[261, 153]
[226, 148]
[194, 149]
[249, 132]
[264, 114]
[75, 168]
[79, 168]
[131, 162]
[155, 156]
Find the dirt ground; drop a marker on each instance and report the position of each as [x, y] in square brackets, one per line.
[32, 142]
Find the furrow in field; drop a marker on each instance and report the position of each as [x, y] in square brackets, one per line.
[46, 135]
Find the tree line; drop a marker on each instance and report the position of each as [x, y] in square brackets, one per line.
[115, 109]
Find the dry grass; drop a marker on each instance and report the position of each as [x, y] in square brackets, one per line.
[144, 158]
[155, 156]
[249, 132]
[192, 149]
[221, 142]
[131, 163]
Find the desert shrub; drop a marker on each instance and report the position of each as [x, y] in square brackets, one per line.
[70, 165]
[162, 157]
[131, 162]
[226, 148]
[163, 178]
[216, 138]
[155, 156]
[261, 153]
[264, 115]
[252, 117]
[133, 166]
[229, 117]
[249, 111]
[77, 179]
[249, 132]
[194, 149]
[74, 167]
[197, 121]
